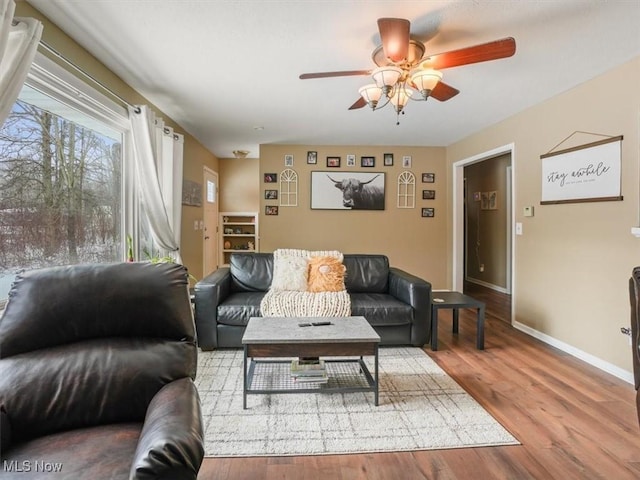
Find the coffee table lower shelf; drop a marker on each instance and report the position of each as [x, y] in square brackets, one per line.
[266, 376]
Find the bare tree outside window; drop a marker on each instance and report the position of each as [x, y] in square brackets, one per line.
[60, 193]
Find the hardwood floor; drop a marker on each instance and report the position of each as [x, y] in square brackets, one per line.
[573, 420]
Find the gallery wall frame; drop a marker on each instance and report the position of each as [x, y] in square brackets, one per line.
[428, 194]
[191, 193]
[333, 162]
[334, 190]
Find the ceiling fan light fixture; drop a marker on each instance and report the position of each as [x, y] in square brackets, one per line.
[371, 94]
[240, 153]
[425, 80]
[386, 77]
[400, 97]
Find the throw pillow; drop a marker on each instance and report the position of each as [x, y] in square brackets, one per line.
[326, 274]
[289, 273]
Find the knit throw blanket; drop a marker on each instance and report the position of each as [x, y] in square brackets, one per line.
[289, 295]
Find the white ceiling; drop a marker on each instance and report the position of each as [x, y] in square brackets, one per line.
[222, 68]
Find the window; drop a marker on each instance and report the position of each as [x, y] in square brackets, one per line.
[62, 195]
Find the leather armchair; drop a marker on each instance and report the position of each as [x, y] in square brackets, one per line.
[634, 294]
[96, 374]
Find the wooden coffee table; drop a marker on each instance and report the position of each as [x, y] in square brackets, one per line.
[268, 338]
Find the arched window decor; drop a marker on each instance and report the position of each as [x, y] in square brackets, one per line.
[288, 188]
[406, 190]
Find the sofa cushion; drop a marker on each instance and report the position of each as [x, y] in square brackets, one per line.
[251, 272]
[381, 309]
[367, 273]
[239, 307]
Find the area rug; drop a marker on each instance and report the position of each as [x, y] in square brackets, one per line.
[420, 408]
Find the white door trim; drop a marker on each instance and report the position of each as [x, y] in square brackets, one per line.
[458, 216]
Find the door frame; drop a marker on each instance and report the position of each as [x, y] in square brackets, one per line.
[458, 217]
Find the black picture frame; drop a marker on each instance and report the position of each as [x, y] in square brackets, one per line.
[367, 162]
[271, 194]
[428, 212]
[333, 162]
[312, 157]
[428, 194]
[271, 210]
[388, 159]
[270, 178]
[428, 178]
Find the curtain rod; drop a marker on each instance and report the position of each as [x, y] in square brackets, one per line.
[97, 82]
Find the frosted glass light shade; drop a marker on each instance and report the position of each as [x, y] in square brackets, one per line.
[425, 80]
[371, 94]
[400, 97]
[386, 76]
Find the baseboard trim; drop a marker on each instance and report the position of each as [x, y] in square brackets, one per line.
[488, 285]
[576, 352]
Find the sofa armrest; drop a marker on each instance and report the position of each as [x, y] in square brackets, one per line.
[417, 293]
[5, 429]
[209, 293]
[171, 444]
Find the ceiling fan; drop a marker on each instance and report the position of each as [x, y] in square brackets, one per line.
[403, 71]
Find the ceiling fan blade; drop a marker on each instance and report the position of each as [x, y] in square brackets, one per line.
[394, 35]
[443, 92]
[502, 48]
[345, 73]
[358, 104]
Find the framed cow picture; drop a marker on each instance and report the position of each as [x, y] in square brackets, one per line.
[347, 190]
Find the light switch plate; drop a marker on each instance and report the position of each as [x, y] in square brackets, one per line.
[518, 228]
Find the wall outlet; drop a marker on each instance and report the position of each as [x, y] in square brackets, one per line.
[481, 267]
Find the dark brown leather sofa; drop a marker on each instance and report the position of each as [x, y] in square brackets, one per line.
[634, 293]
[96, 375]
[396, 303]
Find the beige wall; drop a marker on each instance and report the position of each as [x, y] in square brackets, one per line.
[195, 155]
[573, 262]
[239, 184]
[411, 242]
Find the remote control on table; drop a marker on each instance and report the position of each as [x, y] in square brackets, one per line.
[318, 324]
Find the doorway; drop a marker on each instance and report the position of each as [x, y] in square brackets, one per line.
[210, 228]
[483, 234]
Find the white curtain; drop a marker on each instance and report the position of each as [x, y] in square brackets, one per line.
[18, 45]
[158, 158]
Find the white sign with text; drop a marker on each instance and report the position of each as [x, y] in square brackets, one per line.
[589, 173]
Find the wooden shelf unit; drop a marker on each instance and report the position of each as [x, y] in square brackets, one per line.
[238, 233]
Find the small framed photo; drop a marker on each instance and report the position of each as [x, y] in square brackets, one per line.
[406, 161]
[333, 162]
[271, 210]
[270, 178]
[428, 178]
[388, 159]
[288, 160]
[428, 212]
[428, 194]
[271, 194]
[312, 158]
[351, 160]
[367, 161]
